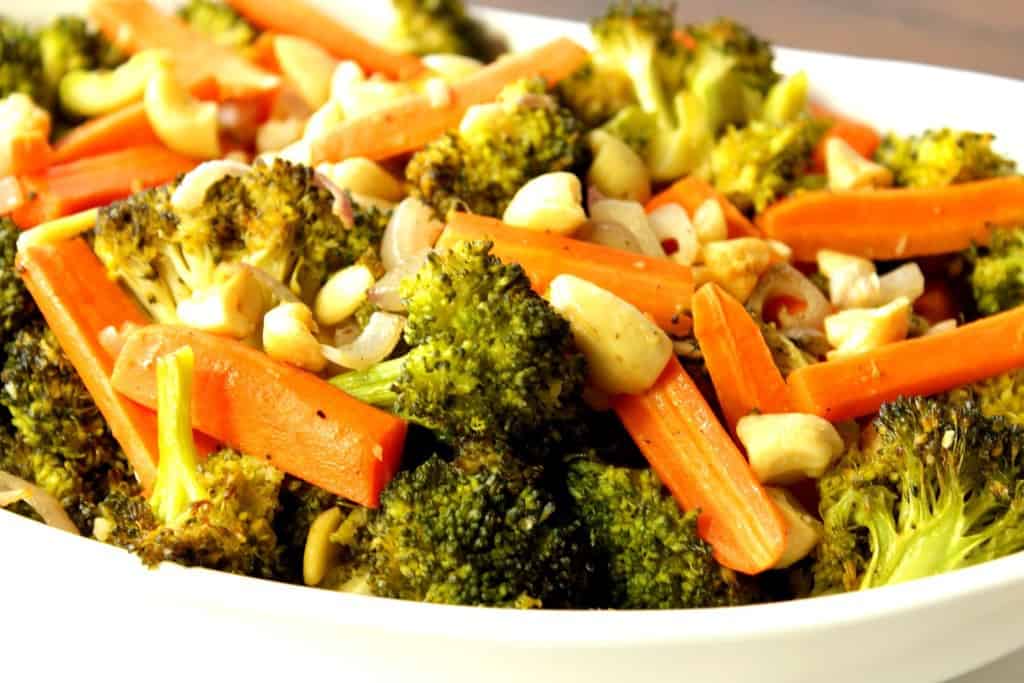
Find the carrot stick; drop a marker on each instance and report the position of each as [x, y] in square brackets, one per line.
[29, 152]
[895, 223]
[299, 422]
[135, 25]
[658, 287]
[691, 192]
[693, 455]
[126, 127]
[860, 136]
[746, 378]
[95, 181]
[859, 385]
[412, 122]
[78, 300]
[297, 18]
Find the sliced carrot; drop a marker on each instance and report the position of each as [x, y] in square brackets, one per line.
[94, 181]
[742, 370]
[135, 25]
[263, 54]
[78, 300]
[299, 422]
[691, 192]
[895, 223]
[298, 18]
[29, 152]
[862, 137]
[859, 385]
[412, 122]
[693, 455]
[658, 287]
[123, 128]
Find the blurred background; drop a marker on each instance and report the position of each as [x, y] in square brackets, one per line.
[983, 35]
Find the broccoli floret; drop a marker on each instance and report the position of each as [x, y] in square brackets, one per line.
[277, 217]
[16, 305]
[68, 44]
[756, 165]
[21, 67]
[997, 272]
[490, 358]
[491, 536]
[646, 547]
[938, 486]
[753, 56]
[59, 440]
[498, 148]
[937, 158]
[596, 92]
[999, 396]
[219, 21]
[426, 27]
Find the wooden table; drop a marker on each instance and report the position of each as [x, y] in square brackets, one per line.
[984, 35]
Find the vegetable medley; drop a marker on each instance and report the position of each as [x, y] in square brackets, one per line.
[644, 326]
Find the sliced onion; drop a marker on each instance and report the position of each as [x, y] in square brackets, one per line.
[612, 235]
[13, 489]
[276, 288]
[783, 280]
[342, 201]
[376, 342]
[594, 196]
[387, 294]
[191, 191]
[411, 230]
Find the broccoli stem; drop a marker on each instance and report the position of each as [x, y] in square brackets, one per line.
[374, 384]
[177, 484]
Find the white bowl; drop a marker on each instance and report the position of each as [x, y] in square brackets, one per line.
[71, 605]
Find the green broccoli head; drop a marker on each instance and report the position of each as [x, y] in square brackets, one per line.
[752, 55]
[219, 21]
[997, 272]
[68, 44]
[648, 548]
[497, 149]
[596, 92]
[756, 165]
[937, 158]
[16, 305]
[938, 487]
[446, 535]
[426, 27]
[999, 396]
[490, 358]
[21, 67]
[58, 439]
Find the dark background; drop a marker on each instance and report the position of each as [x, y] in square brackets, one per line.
[983, 35]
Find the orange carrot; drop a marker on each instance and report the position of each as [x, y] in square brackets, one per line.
[859, 385]
[29, 152]
[860, 136]
[658, 287]
[95, 181]
[412, 122]
[746, 378]
[78, 300]
[895, 223]
[262, 52]
[135, 25]
[297, 18]
[126, 127]
[691, 192]
[299, 422]
[693, 455]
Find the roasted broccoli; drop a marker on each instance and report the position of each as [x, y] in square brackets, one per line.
[496, 150]
[60, 440]
[16, 305]
[756, 165]
[21, 68]
[647, 551]
[68, 44]
[277, 217]
[997, 272]
[938, 486]
[490, 358]
[752, 55]
[937, 158]
[596, 92]
[219, 21]
[441, 27]
[999, 396]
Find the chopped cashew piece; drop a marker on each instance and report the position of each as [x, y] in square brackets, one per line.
[347, 75]
[289, 335]
[617, 171]
[625, 351]
[233, 306]
[906, 281]
[363, 177]
[673, 228]
[307, 66]
[848, 170]
[738, 264]
[321, 554]
[787, 447]
[322, 121]
[182, 122]
[709, 222]
[857, 330]
[947, 325]
[852, 281]
[93, 93]
[343, 294]
[632, 217]
[803, 530]
[552, 202]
